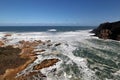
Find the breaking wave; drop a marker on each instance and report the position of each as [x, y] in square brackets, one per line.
[52, 30]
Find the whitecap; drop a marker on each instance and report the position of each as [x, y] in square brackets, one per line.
[52, 30]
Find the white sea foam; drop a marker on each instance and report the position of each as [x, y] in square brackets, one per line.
[59, 36]
[81, 62]
[63, 37]
[52, 30]
[68, 40]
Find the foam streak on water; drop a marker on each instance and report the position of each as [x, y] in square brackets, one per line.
[77, 49]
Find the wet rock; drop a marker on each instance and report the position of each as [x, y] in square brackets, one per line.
[1, 43]
[48, 41]
[108, 31]
[26, 52]
[25, 44]
[49, 45]
[6, 35]
[45, 63]
[14, 60]
[28, 47]
[40, 51]
[57, 44]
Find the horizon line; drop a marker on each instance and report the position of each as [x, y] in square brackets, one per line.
[44, 25]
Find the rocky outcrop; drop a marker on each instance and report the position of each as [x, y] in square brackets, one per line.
[17, 57]
[9, 56]
[13, 60]
[46, 63]
[108, 31]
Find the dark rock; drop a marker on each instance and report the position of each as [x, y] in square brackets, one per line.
[57, 44]
[46, 63]
[108, 30]
[9, 58]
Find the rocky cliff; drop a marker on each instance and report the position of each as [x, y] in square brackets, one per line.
[108, 30]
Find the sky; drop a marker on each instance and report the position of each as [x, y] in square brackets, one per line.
[59, 12]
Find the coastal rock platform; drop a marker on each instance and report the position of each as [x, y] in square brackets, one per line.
[17, 57]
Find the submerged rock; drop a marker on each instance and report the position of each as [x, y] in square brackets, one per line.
[108, 31]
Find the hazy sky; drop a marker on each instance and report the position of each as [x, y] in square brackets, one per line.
[58, 12]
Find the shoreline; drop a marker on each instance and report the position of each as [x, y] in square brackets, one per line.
[27, 52]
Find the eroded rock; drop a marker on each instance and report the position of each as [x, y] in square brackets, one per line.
[17, 59]
[45, 63]
[108, 31]
[14, 60]
[11, 63]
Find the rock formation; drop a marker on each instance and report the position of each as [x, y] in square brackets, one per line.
[108, 31]
[45, 63]
[15, 58]
[1, 43]
[11, 62]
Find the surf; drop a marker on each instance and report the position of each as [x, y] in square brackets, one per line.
[80, 55]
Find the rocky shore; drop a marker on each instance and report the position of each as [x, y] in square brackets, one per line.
[17, 57]
[108, 31]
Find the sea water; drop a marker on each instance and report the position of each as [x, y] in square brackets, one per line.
[82, 56]
[42, 28]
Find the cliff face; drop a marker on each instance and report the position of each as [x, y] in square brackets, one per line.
[108, 31]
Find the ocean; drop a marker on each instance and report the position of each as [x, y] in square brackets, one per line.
[82, 56]
[42, 28]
